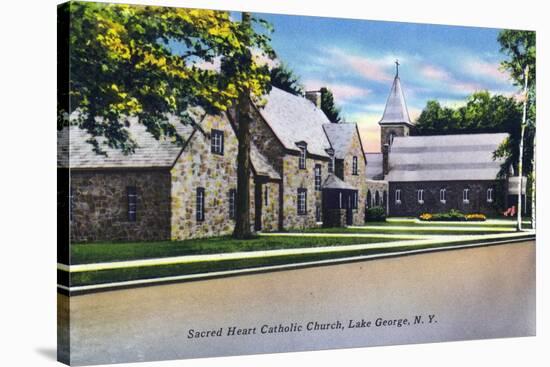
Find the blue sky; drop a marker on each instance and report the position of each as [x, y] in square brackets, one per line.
[355, 58]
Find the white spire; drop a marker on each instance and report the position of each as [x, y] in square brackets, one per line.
[396, 107]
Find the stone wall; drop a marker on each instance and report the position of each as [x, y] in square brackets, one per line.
[454, 189]
[217, 174]
[100, 205]
[295, 178]
[358, 181]
[387, 130]
[374, 186]
[270, 212]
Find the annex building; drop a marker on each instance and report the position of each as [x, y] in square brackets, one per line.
[435, 173]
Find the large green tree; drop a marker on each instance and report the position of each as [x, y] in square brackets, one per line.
[520, 50]
[329, 106]
[284, 78]
[147, 61]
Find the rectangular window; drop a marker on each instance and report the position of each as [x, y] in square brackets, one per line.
[131, 194]
[217, 141]
[302, 201]
[398, 196]
[317, 213]
[420, 195]
[318, 177]
[490, 195]
[200, 204]
[443, 195]
[302, 158]
[340, 201]
[232, 198]
[266, 195]
[466, 196]
[354, 166]
[331, 164]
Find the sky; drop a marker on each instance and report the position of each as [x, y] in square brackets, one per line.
[355, 59]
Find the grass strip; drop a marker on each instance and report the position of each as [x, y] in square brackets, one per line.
[397, 232]
[87, 253]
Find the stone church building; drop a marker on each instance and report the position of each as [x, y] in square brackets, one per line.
[437, 173]
[305, 172]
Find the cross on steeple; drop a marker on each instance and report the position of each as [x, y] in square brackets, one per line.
[396, 67]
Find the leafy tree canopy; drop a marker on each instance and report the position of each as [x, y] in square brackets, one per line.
[147, 61]
[328, 106]
[284, 78]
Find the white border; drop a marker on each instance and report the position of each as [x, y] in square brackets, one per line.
[27, 148]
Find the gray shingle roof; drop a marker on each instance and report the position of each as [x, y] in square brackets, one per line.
[334, 182]
[261, 165]
[375, 169]
[396, 108]
[149, 153]
[294, 119]
[340, 137]
[444, 157]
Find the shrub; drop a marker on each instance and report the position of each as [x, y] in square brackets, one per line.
[375, 214]
[476, 217]
[453, 216]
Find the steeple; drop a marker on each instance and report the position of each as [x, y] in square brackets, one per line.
[396, 108]
[395, 121]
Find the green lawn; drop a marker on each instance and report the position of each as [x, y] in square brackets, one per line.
[151, 272]
[389, 230]
[86, 253]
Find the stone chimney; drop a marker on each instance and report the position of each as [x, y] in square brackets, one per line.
[315, 97]
[385, 159]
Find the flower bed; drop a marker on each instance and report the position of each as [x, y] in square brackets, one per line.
[452, 216]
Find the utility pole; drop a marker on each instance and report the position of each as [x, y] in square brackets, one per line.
[520, 162]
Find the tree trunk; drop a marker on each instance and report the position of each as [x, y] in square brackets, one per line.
[533, 183]
[242, 215]
[520, 160]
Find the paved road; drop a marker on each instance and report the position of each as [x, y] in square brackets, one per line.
[474, 293]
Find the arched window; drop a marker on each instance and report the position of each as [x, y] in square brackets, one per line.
[466, 196]
[384, 198]
[489, 195]
[377, 198]
[369, 199]
[420, 196]
[398, 196]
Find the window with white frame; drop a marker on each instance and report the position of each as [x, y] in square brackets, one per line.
[420, 196]
[398, 196]
[466, 196]
[200, 204]
[331, 164]
[131, 193]
[232, 198]
[489, 195]
[443, 195]
[217, 141]
[302, 201]
[318, 177]
[302, 157]
[318, 213]
[354, 168]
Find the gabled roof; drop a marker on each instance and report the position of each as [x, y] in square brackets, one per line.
[294, 119]
[149, 153]
[261, 165]
[334, 182]
[444, 157]
[396, 108]
[340, 137]
[375, 169]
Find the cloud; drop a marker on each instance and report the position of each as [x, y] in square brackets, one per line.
[368, 68]
[435, 73]
[342, 92]
[486, 70]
